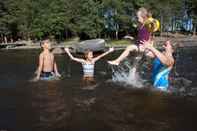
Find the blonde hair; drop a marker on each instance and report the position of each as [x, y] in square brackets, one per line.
[144, 12]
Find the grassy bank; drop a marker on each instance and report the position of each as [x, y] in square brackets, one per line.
[117, 43]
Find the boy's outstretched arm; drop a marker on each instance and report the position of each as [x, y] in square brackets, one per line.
[104, 54]
[39, 70]
[72, 57]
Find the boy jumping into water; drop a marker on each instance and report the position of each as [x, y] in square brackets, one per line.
[47, 66]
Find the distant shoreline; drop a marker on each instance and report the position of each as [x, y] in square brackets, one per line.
[181, 41]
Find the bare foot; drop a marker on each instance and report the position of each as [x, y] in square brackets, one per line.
[114, 62]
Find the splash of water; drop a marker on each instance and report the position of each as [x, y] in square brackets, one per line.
[127, 74]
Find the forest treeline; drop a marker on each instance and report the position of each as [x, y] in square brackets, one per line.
[63, 19]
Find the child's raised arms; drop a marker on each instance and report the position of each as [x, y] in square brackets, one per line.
[102, 55]
[72, 57]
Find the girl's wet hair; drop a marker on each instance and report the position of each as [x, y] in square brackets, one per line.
[174, 44]
[87, 52]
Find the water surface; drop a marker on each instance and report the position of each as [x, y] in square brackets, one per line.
[65, 106]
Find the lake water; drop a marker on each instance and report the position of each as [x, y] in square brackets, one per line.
[65, 106]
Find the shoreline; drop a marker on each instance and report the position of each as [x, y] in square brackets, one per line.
[180, 42]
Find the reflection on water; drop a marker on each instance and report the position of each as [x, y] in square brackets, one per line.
[64, 105]
[49, 106]
[183, 79]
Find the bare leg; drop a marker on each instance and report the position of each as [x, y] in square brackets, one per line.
[124, 54]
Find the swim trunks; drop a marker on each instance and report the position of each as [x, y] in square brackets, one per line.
[47, 75]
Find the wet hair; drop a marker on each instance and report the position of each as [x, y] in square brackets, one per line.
[86, 53]
[44, 41]
[145, 13]
[173, 44]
